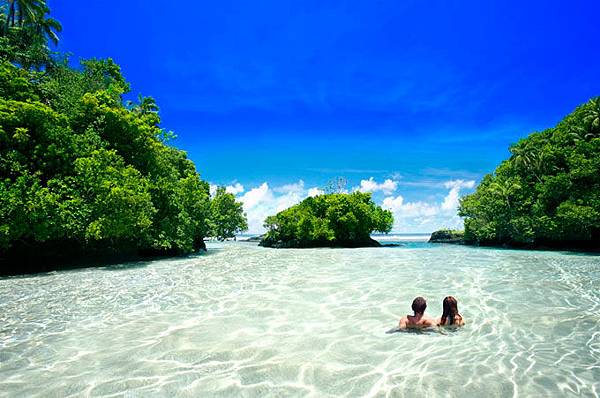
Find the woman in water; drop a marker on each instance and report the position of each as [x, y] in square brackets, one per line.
[450, 315]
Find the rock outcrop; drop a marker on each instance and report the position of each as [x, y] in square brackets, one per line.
[447, 236]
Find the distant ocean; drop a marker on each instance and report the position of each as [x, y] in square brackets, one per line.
[393, 237]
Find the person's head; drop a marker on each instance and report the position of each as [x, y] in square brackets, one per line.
[419, 305]
[450, 310]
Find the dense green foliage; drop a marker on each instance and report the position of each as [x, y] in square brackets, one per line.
[76, 165]
[226, 215]
[547, 192]
[328, 220]
[80, 171]
[25, 29]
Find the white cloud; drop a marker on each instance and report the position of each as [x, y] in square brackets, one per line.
[212, 189]
[263, 201]
[256, 195]
[370, 185]
[420, 216]
[393, 204]
[235, 189]
[258, 205]
[451, 200]
[315, 192]
[410, 209]
[297, 188]
[459, 184]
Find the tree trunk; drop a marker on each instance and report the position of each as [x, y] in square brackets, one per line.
[596, 236]
[21, 17]
[9, 15]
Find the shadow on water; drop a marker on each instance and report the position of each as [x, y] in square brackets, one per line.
[432, 331]
[144, 263]
[567, 251]
[210, 252]
[580, 253]
[73, 268]
[125, 266]
[413, 331]
[114, 263]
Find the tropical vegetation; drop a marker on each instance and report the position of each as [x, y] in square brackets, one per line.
[227, 216]
[547, 192]
[84, 174]
[337, 219]
[26, 28]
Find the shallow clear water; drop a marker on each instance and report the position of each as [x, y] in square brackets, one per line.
[248, 321]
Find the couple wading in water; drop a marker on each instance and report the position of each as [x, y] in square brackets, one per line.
[450, 315]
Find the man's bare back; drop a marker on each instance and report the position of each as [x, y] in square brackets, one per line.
[419, 320]
[416, 322]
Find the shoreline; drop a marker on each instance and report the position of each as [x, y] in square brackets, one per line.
[569, 246]
[38, 260]
[40, 267]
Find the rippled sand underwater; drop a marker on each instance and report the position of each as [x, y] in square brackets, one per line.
[248, 321]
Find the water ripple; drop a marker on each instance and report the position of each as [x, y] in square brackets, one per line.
[248, 321]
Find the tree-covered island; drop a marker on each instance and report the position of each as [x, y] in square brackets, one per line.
[547, 194]
[328, 220]
[86, 177]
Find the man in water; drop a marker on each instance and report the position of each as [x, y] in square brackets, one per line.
[418, 320]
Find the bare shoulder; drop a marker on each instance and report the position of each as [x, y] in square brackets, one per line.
[404, 321]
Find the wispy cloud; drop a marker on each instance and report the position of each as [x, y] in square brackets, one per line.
[422, 183]
[451, 173]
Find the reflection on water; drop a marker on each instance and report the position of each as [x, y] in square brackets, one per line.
[257, 322]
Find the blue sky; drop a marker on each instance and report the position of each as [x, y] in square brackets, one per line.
[275, 98]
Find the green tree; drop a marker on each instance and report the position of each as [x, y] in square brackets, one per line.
[591, 119]
[144, 105]
[547, 192]
[81, 174]
[328, 220]
[79, 171]
[25, 31]
[227, 215]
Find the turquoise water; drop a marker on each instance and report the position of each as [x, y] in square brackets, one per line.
[248, 321]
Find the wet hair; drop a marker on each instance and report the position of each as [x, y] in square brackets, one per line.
[419, 305]
[450, 310]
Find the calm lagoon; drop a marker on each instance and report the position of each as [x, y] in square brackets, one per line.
[247, 321]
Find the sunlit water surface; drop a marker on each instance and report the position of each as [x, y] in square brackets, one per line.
[248, 321]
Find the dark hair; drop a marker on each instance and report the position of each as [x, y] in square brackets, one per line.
[419, 305]
[450, 306]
